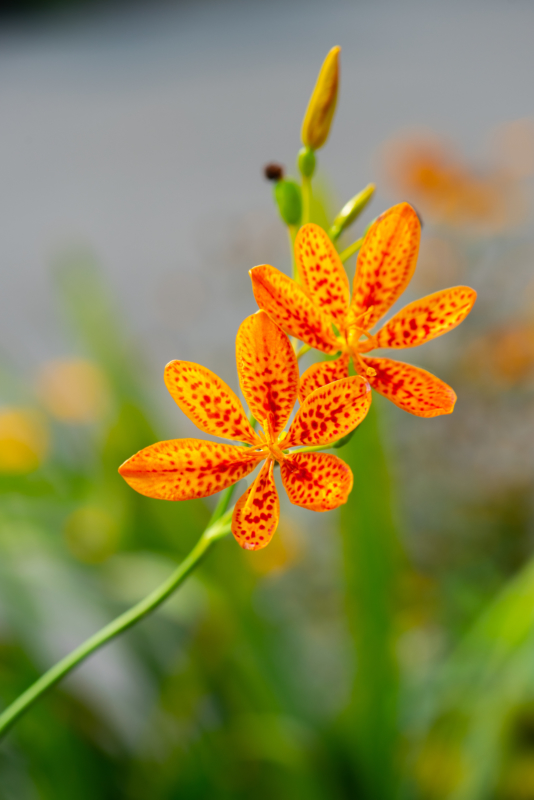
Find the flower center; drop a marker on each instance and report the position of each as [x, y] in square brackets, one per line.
[271, 444]
[359, 328]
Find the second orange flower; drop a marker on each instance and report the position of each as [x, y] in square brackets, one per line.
[319, 311]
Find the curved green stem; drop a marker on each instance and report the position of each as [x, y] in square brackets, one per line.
[292, 233]
[312, 448]
[302, 350]
[351, 249]
[218, 526]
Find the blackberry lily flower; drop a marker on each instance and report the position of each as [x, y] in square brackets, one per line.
[320, 313]
[183, 469]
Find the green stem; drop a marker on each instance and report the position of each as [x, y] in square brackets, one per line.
[313, 448]
[302, 350]
[306, 199]
[292, 232]
[218, 526]
[351, 249]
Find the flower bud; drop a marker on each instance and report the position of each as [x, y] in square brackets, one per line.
[306, 162]
[351, 211]
[318, 117]
[289, 201]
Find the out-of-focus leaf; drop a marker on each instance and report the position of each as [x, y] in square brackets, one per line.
[371, 552]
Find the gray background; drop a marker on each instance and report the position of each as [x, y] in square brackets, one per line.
[140, 132]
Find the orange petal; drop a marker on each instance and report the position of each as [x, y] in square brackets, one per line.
[321, 272]
[329, 413]
[386, 262]
[318, 481]
[268, 370]
[257, 512]
[411, 388]
[321, 373]
[184, 469]
[291, 308]
[426, 318]
[208, 401]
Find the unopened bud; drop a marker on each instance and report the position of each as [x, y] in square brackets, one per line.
[289, 201]
[306, 162]
[351, 211]
[320, 111]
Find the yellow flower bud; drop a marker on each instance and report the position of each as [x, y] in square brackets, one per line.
[351, 211]
[23, 441]
[322, 105]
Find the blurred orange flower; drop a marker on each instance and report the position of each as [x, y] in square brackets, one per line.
[427, 170]
[183, 469]
[73, 390]
[319, 313]
[504, 354]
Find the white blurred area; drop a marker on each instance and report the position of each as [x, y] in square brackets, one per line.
[140, 132]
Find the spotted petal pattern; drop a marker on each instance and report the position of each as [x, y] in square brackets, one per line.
[321, 272]
[386, 262]
[427, 318]
[329, 413]
[411, 388]
[257, 512]
[185, 469]
[268, 370]
[318, 481]
[321, 373]
[291, 308]
[208, 401]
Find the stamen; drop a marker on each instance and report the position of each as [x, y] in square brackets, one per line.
[359, 328]
[363, 368]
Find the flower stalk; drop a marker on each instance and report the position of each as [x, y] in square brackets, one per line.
[217, 528]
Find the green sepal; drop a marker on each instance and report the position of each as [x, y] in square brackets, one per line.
[351, 211]
[306, 162]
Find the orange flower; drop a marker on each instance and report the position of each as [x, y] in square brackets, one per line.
[319, 313]
[183, 469]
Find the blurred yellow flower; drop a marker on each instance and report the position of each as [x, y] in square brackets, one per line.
[73, 390]
[285, 551]
[427, 171]
[518, 781]
[23, 440]
[91, 533]
[440, 767]
[322, 105]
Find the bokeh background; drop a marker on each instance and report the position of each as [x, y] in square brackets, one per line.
[384, 652]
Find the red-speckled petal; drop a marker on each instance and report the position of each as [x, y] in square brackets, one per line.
[318, 481]
[321, 373]
[290, 307]
[425, 319]
[185, 469]
[208, 401]
[268, 370]
[386, 262]
[257, 512]
[329, 413]
[321, 272]
[411, 388]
